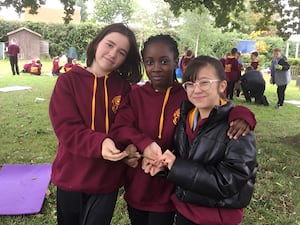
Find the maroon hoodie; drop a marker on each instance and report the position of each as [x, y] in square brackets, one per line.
[79, 165]
[138, 122]
[232, 69]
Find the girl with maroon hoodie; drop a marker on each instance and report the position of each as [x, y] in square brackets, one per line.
[148, 120]
[83, 106]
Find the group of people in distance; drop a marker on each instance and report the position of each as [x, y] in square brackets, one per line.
[252, 81]
[183, 152]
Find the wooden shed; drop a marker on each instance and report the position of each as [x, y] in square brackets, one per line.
[28, 41]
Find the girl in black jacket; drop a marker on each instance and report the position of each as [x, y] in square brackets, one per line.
[214, 175]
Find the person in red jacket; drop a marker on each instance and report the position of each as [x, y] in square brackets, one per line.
[83, 105]
[13, 50]
[233, 71]
[55, 66]
[254, 60]
[214, 176]
[148, 120]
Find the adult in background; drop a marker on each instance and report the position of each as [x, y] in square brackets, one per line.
[13, 50]
[280, 75]
[253, 85]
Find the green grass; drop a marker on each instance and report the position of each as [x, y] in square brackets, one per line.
[27, 137]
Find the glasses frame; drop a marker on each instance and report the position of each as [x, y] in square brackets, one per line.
[197, 83]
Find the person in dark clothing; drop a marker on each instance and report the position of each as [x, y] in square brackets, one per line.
[13, 50]
[253, 85]
[214, 176]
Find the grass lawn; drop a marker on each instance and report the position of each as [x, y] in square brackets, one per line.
[27, 137]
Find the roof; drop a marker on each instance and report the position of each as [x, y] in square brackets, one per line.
[294, 38]
[24, 28]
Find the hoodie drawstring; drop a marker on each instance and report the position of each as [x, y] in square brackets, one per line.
[94, 104]
[161, 120]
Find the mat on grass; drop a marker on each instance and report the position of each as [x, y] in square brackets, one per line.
[23, 188]
[14, 88]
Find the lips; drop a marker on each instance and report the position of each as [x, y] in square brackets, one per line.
[111, 61]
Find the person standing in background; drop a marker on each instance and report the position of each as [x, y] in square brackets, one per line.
[280, 75]
[233, 71]
[13, 50]
[254, 60]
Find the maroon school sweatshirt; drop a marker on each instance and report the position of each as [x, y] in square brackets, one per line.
[78, 165]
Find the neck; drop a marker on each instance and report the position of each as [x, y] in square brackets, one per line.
[98, 73]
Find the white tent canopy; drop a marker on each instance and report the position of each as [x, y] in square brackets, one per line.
[293, 38]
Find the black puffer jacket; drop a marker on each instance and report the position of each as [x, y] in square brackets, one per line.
[213, 171]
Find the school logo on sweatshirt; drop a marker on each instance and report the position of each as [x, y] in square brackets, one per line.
[176, 116]
[115, 103]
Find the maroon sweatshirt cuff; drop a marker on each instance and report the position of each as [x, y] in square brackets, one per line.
[242, 112]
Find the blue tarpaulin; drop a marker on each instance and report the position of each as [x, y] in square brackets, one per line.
[246, 46]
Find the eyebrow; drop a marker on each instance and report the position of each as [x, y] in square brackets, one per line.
[112, 42]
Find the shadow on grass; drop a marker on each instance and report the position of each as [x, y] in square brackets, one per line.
[292, 141]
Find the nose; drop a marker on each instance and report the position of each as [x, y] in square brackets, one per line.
[197, 87]
[156, 66]
[113, 52]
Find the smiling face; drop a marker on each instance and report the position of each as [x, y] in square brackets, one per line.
[160, 63]
[206, 100]
[111, 52]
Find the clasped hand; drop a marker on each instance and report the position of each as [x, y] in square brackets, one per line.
[154, 161]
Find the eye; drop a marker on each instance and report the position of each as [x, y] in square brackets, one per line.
[109, 45]
[123, 53]
[164, 61]
[204, 82]
[148, 62]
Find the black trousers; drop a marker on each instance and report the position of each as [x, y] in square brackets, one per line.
[76, 208]
[281, 94]
[139, 217]
[230, 89]
[254, 90]
[181, 220]
[14, 64]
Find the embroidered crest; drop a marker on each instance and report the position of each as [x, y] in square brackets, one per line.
[115, 103]
[176, 116]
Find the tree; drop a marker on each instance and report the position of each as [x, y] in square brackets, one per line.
[222, 10]
[108, 11]
[284, 14]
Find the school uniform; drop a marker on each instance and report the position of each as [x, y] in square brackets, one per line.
[81, 114]
[233, 71]
[214, 175]
[149, 116]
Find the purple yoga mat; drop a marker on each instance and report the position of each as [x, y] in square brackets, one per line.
[23, 188]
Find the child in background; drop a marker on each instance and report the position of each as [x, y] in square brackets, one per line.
[82, 108]
[55, 66]
[254, 60]
[36, 67]
[214, 176]
[148, 120]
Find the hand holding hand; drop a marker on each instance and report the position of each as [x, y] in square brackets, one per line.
[133, 157]
[237, 128]
[166, 160]
[110, 152]
[151, 155]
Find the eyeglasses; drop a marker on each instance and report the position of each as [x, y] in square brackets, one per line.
[204, 84]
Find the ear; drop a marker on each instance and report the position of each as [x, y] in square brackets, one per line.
[222, 86]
